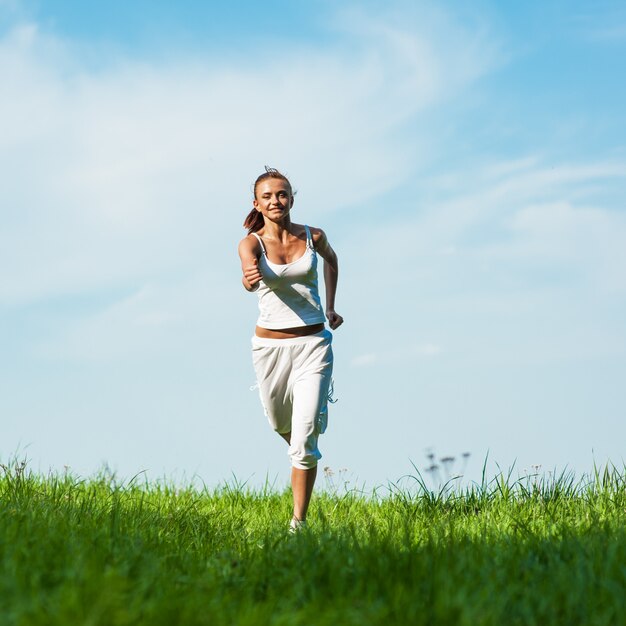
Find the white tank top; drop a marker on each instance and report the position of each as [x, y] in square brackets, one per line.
[288, 293]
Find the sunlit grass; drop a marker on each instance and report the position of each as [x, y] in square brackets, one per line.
[98, 551]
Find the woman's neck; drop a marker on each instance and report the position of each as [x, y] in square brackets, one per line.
[278, 230]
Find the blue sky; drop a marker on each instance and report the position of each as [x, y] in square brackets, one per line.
[467, 160]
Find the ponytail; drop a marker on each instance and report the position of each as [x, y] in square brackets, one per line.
[254, 221]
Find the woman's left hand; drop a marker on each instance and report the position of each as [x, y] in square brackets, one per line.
[334, 319]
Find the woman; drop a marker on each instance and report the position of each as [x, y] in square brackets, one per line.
[291, 349]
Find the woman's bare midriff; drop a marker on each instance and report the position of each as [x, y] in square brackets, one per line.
[288, 333]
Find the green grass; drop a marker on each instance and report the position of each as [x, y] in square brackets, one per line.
[508, 552]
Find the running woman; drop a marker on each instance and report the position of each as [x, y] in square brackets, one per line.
[291, 348]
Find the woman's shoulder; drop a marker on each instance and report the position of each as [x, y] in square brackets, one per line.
[249, 244]
[317, 234]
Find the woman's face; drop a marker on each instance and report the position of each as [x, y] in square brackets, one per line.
[273, 198]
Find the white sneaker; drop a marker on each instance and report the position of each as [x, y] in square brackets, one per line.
[296, 525]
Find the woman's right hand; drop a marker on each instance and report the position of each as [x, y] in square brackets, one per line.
[252, 273]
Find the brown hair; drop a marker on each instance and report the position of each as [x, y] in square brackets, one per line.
[254, 221]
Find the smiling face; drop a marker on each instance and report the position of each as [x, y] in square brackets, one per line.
[273, 198]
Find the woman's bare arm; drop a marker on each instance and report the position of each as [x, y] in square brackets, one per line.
[331, 274]
[249, 250]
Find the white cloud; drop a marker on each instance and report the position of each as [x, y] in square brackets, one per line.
[135, 177]
[364, 359]
[9, 5]
[615, 33]
[428, 350]
[139, 323]
[606, 24]
[115, 175]
[388, 356]
[519, 208]
[510, 262]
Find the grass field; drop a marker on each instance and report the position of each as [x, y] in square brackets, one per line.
[95, 552]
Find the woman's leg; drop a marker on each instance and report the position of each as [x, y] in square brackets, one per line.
[299, 405]
[302, 481]
[303, 441]
[310, 396]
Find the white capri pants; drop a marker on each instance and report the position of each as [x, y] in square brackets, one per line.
[294, 377]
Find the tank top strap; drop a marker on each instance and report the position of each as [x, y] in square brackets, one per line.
[261, 242]
[309, 238]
